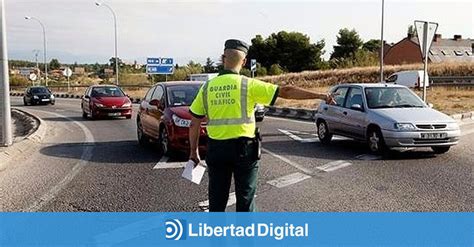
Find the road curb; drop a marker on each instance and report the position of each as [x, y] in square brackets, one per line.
[26, 145]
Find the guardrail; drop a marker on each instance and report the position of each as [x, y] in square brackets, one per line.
[452, 80]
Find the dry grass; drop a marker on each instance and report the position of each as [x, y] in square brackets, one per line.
[314, 79]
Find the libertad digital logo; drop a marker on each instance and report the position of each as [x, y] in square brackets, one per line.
[175, 229]
[179, 230]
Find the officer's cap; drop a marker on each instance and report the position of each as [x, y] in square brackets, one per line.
[236, 45]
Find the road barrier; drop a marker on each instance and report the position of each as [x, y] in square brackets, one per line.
[452, 80]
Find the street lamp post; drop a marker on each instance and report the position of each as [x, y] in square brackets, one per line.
[381, 44]
[44, 48]
[98, 4]
[6, 134]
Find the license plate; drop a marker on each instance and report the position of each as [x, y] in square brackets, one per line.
[433, 135]
[114, 114]
[44, 100]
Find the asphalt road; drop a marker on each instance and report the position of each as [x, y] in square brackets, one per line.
[85, 165]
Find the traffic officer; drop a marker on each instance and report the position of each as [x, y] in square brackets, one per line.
[228, 102]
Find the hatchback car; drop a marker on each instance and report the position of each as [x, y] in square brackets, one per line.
[164, 116]
[105, 101]
[38, 95]
[385, 116]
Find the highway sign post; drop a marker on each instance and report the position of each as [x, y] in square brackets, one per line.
[33, 77]
[6, 137]
[159, 66]
[425, 32]
[67, 72]
[253, 66]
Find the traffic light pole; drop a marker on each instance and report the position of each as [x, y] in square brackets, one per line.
[5, 117]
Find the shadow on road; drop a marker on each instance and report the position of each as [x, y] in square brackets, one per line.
[116, 153]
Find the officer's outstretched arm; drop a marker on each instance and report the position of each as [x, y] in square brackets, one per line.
[291, 92]
[194, 129]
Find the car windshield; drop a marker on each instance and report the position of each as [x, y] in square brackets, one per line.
[392, 97]
[39, 90]
[182, 95]
[107, 92]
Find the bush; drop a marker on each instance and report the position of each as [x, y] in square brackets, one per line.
[276, 69]
[17, 80]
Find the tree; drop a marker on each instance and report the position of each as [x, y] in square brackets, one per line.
[54, 64]
[112, 63]
[293, 51]
[209, 67]
[372, 45]
[348, 42]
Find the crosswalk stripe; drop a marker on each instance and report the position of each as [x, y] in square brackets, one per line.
[334, 165]
[289, 179]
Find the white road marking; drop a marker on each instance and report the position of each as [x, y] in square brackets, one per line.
[85, 157]
[368, 157]
[334, 165]
[288, 179]
[164, 164]
[232, 200]
[289, 162]
[292, 135]
[291, 120]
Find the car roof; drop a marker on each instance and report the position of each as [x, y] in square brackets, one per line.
[105, 85]
[179, 83]
[365, 85]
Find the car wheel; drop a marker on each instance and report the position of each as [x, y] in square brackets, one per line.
[259, 119]
[52, 103]
[129, 117]
[440, 150]
[323, 133]
[375, 141]
[24, 102]
[164, 141]
[84, 114]
[143, 140]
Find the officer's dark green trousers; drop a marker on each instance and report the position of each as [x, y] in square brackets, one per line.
[232, 157]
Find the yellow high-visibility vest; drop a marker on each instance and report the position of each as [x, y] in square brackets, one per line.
[228, 101]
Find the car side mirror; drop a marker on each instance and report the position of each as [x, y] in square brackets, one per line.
[87, 96]
[430, 105]
[357, 107]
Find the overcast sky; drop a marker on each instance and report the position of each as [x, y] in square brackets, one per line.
[77, 30]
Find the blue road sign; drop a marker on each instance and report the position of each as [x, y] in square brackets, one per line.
[160, 66]
[159, 69]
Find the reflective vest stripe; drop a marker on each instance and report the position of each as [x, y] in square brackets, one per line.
[244, 119]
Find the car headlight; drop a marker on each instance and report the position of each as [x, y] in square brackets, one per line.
[98, 105]
[181, 122]
[129, 104]
[35, 97]
[452, 126]
[404, 126]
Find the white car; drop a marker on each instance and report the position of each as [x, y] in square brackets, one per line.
[409, 78]
[385, 116]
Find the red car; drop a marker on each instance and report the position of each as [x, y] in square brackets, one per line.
[164, 116]
[105, 101]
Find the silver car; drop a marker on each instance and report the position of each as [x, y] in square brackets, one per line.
[385, 116]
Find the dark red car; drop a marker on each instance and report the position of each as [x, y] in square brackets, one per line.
[164, 116]
[105, 101]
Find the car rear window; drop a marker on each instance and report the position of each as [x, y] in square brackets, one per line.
[107, 92]
[182, 95]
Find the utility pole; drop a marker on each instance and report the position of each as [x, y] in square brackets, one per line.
[37, 64]
[5, 117]
[381, 44]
